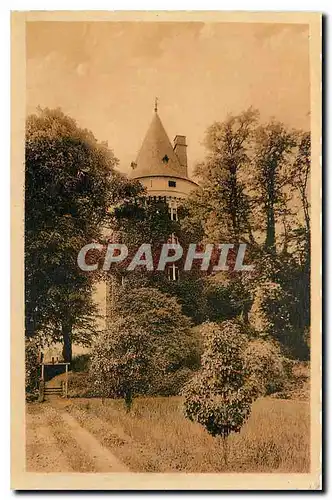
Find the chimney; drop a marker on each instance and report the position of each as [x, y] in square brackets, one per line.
[180, 149]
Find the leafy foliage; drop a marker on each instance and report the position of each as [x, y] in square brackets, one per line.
[273, 149]
[161, 315]
[32, 368]
[122, 362]
[80, 363]
[254, 189]
[189, 291]
[219, 397]
[265, 363]
[69, 183]
[134, 220]
[220, 207]
[280, 303]
[170, 383]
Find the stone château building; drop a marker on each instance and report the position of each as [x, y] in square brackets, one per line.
[162, 168]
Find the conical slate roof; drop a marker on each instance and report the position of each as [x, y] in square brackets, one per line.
[156, 156]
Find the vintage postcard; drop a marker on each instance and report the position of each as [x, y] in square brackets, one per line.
[166, 247]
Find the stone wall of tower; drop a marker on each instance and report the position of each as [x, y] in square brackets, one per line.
[160, 186]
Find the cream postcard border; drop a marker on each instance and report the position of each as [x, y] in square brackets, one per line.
[22, 480]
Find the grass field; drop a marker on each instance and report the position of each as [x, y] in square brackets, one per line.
[157, 438]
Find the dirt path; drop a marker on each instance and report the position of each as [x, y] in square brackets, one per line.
[56, 442]
[42, 451]
[104, 460]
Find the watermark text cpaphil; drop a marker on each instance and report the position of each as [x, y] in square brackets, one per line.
[169, 253]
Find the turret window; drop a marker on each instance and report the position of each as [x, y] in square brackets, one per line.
[173, 273]
[172, 184]
[165, 159]
[173, 213]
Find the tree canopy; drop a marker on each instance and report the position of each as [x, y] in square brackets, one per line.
[70, 181]
[254, 189]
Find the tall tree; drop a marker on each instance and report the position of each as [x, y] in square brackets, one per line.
[302, 175]
[300, 179]
[219, 210]
[273, 149]
[247, 193]
[70, 182]
[301, 241]
[221, 205]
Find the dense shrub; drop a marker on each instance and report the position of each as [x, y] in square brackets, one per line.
[263, 359]
[161, 315]
[170, 384]
[80, 385]
[32, 368]
[80, 363]
[278, 312]
[123, 361]
[222, 300]
[176, 348]
[219, 396]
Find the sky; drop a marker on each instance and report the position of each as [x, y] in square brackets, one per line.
[106, 75]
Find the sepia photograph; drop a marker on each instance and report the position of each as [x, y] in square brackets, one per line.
[166, 250]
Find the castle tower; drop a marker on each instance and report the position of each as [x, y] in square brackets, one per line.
[161, 167]
[163, 171]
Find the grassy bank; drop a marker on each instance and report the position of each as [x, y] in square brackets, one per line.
[157, 438]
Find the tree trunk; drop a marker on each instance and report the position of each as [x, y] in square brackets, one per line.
[245, 313]
[270, 180]
[234, 204]
[128, 400]
[270, 228]
[66, 336]
[225, 449]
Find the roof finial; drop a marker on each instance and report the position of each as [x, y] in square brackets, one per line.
[156, 105]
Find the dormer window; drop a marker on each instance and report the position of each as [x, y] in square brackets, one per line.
[165, 159]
